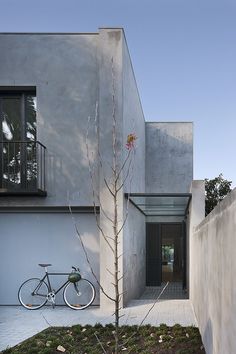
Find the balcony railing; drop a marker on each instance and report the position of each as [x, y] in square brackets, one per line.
[22, 168]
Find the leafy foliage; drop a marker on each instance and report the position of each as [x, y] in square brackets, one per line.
[215, 190]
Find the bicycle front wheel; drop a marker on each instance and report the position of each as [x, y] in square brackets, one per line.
[79, 295]
[33, 294]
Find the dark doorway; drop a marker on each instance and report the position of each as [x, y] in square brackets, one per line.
[165, 253]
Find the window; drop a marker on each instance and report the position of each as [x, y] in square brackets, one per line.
[19, 149]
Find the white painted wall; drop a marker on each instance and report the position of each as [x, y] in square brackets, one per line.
[29, 239]
[213, 291]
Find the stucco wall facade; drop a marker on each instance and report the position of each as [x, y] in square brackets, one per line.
[213, 291]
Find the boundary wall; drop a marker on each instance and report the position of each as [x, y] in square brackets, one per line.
[213, 290]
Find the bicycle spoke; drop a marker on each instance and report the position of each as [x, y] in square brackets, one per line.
[33, 294]
[79, 295]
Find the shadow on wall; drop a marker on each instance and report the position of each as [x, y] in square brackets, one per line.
[45, 238]
[67, 96]
[207, 337]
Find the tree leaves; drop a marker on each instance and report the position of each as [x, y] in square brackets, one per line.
[215, 190]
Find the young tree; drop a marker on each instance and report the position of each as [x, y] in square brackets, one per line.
[115, 173]
[215, 191]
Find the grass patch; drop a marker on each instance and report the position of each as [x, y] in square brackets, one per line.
[85, 340]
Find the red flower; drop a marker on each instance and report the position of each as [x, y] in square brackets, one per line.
[130, 141]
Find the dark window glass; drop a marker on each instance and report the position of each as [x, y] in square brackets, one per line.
[18, 166]
[30, 110]
[11, 118]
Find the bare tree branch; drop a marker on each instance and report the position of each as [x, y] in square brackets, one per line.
[103, 349]
[128, 339]
[154, 303]
[86, 255]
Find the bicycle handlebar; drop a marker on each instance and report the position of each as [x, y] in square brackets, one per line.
[75, 269]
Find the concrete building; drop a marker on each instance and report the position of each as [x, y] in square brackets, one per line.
[50, 84]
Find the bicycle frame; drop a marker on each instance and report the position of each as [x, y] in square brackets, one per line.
[46, 276]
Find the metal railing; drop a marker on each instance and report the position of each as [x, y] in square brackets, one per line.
[22, 167]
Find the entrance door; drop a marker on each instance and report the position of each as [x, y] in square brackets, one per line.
[165, 253]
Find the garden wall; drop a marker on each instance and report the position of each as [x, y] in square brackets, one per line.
[213, 268]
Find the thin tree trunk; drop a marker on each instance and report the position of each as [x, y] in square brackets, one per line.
[116, 283]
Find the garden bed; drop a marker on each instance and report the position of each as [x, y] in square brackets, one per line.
[98, 340]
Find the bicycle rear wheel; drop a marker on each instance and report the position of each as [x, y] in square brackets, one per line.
[79, 295]
[33, 294]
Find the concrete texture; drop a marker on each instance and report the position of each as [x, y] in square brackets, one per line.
[110, 75]
[195, 216]
[134, 234]
[134, 259]
[44, 238]
[18, 324]
[169, 157]
[213, 291]
[64, 69]
[73, 74]
[128, 119]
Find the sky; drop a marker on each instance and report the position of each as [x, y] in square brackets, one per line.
[183, 54]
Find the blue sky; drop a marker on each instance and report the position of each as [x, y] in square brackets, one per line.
[184, 57]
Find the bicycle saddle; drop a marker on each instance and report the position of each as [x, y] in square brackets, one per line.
[44, 265]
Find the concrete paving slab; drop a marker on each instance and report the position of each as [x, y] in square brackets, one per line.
[18, 324]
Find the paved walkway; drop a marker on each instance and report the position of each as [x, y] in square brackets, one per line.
[173, 290]
[18, 324]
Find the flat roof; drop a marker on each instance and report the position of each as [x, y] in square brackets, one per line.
[161, 204]
[51, 33]
[65, 33]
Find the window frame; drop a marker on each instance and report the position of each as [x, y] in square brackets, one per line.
[21, 93]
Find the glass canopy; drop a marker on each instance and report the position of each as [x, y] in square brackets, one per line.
[161, 204]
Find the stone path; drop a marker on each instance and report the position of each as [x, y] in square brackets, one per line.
[18, 324]
[173, 290]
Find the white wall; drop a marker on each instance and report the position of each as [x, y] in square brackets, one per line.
[213, 291]
[29, 239]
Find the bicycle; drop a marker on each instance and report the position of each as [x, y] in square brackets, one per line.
[78, 292]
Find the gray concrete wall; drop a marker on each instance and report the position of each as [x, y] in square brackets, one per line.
[134, 255]
[133, 122]
[213, 291]
[29, 239]
[72, 73]
[64, 69]
[110, 44]
[169, 157]
[129, 118]
[134, 235]
[195, 216]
